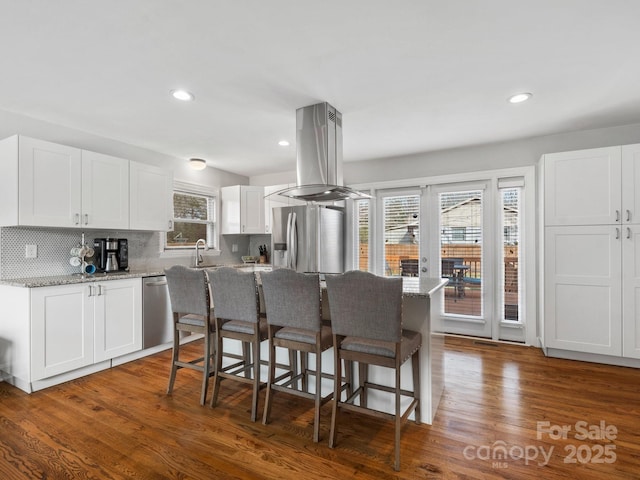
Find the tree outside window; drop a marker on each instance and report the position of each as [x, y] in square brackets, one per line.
[193, 218]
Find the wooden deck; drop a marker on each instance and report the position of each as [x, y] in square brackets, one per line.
[120, 424]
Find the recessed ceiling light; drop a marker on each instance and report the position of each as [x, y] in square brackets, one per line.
[182, 95]
[283, 143]
[197, 163]
[520, 97]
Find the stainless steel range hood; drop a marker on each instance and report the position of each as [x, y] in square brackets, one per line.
[319, 156]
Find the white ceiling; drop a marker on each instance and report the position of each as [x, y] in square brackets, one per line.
[408, 75]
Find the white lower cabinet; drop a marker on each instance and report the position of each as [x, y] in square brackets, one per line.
[73, 326]
[61, 330]
[117, 315]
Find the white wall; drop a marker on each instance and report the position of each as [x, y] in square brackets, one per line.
[482, 157]
[11, 124]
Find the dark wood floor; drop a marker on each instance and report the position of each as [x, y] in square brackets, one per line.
[120, 424]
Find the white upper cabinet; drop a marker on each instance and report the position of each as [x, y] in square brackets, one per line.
[272, 202]
[243, 209]
[105, 191]
[583, 187]
[49, 183]
[151, 195]
[44, 184]
[630, 183]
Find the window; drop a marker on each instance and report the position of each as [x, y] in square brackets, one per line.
[194, 217]
[401, 220]
[511, 252]
[362, 239]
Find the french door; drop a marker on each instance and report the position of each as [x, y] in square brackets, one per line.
[469, 233]
[461, 215]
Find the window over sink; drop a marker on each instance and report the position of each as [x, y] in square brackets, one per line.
[194, 216]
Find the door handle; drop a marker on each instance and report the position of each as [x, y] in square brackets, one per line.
[628, 232]
[628, 215]
[617, 233]
[617, 215]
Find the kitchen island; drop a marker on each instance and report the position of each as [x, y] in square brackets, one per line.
[421, 311]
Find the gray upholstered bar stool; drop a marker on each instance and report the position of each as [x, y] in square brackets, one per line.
[366, 319]
[237, 316]
[190, 304]
[292, 302]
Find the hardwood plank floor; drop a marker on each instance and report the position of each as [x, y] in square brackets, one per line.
[120, 424]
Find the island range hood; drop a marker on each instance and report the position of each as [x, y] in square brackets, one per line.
[319, 156]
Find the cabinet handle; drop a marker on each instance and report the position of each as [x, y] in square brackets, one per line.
[628, 232]
[617, 215]
[90, 291]
[617, 233]
[76, 219]
[170, 224]
[628, 215]
[242, 228]
[86, 219]
[100, 292]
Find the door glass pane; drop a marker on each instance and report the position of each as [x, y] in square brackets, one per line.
[401, 234]
[461, 251]
[362, 243]
[511, 252]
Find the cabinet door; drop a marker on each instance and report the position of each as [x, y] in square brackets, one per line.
[105, 191]
[631, 291]
[242, 209]
[583, 285]
[272, 202]
[251, 209]
[631, 183]
[49, 184]
[61, 330]
[583, 187]
[118, 318]
[151, 194]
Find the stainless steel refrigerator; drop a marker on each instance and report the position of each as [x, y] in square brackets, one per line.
[308, 238]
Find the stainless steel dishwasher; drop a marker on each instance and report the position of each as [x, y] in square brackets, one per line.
[157, 319]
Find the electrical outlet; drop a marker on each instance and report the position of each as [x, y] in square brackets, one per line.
[30, 251]
[234, 247]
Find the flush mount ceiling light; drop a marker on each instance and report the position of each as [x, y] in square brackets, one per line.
[283, 143]
[197, 163]
[520, 97]
[182, 95]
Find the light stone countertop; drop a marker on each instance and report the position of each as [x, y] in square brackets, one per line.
[411, 286]
[34, 282]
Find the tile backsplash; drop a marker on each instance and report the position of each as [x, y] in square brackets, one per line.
[54, 245]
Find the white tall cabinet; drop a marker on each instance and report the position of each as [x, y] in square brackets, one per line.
[592, 251]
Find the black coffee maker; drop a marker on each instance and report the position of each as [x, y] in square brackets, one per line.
[111, 254]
